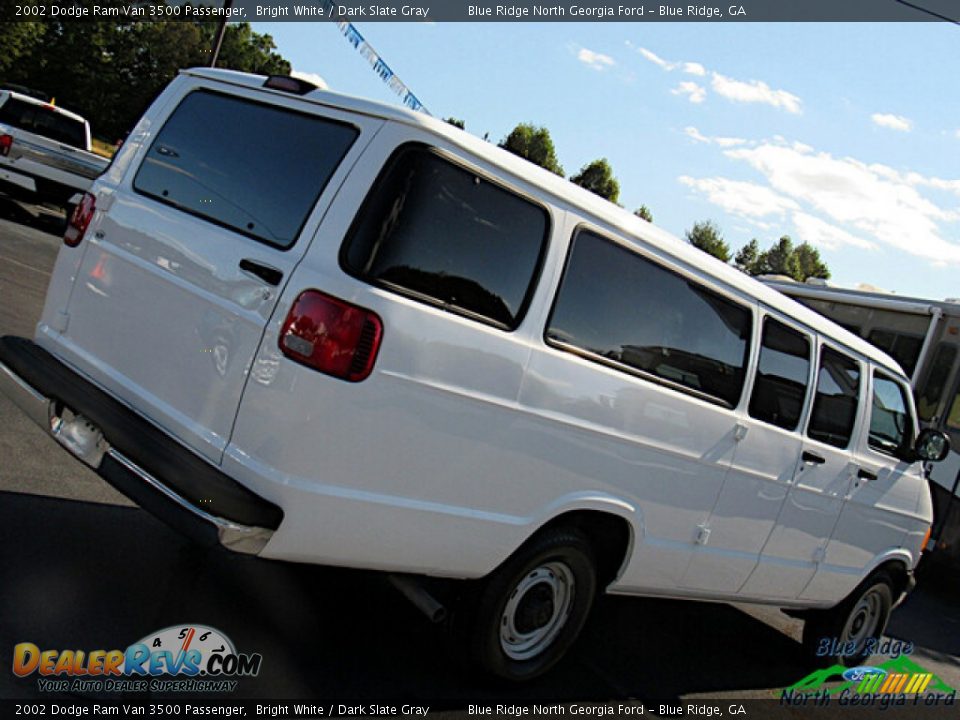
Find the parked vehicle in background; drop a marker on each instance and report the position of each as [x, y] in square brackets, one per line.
[23, 90]
[924, 337]
[45, 153]
[320, 329]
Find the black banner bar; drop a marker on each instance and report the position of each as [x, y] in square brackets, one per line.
[709, 708]
[639, 11]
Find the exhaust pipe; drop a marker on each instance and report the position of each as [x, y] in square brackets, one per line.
[416, 593]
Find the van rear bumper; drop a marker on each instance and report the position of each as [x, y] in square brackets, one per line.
[132, 454]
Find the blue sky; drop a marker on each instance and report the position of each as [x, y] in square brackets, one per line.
[844, 135]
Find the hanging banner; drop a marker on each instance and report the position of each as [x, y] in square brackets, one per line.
[366, 51]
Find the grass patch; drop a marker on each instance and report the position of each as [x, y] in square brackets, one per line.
[102, 148]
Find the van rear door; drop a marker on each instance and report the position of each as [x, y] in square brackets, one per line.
[192, 246]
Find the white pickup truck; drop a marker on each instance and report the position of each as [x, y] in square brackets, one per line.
[45, 151]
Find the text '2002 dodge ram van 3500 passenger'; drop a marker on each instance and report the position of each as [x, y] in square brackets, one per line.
[365, 338]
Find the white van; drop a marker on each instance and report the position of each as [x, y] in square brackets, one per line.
[325, 330]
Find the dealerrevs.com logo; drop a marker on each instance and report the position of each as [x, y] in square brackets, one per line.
[180, 658]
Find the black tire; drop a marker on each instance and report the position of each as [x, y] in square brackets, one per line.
[518, 632]
[843, 634]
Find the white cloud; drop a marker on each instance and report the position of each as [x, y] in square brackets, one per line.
[656, 59]
[933, 182]
[750, 91]
[696, 135]
[695, 93]
[877, 202]
[755, 91]
[595, 60]
[729, 141]
[821, 233]
[310, 78]
[893, 122]
[740, 198]
[957, 133]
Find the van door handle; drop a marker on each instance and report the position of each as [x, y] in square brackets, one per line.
[866, 474]
[809, 457]
[269, 275]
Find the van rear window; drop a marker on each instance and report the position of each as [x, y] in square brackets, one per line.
[257, 169]
[625, 310]
[443, 234]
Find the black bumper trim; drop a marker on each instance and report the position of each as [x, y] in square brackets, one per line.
[189, 476]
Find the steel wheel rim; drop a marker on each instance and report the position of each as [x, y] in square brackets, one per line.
[864, 620]
[537, 610]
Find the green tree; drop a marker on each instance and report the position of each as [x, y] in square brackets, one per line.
[456, 122]
[643, 212]
[111, 71]
[706, 236]
[810, 264]
[18, 40]
[597, 177]
[747, 258]
[533, 143]
[245, 50]
[780, 259]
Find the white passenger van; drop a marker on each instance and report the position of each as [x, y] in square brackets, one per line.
[325, 330]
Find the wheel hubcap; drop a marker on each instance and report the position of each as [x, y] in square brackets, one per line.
[536, 611]
[864, 620]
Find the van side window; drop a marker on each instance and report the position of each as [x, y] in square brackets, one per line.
[253, 168]
[782, 376]
[625, 310]
[442, 234]
[891, 427]
[835, 404]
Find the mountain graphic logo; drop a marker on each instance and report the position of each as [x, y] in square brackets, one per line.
[895, 676]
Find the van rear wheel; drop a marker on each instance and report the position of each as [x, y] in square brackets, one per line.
[848, 633]
[532, 608]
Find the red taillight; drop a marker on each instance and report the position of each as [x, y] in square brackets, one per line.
[6, 141]
[79, 221]
[331, 336]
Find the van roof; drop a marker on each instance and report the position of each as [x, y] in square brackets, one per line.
[606, 212]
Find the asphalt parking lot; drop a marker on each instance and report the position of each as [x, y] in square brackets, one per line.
[82, 567]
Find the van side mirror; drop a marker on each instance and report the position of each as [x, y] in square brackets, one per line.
[932, 445]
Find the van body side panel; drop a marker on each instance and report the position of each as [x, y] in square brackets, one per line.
[883, 516]
[813, 505]
[68, 259]
[664, 452]
[746, 514]
[427, 464]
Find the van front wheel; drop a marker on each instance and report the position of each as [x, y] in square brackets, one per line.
[532, 608]
[848, 633]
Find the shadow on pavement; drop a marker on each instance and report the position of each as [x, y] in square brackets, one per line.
[89, 576]
[30, 215]
[939, 598]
